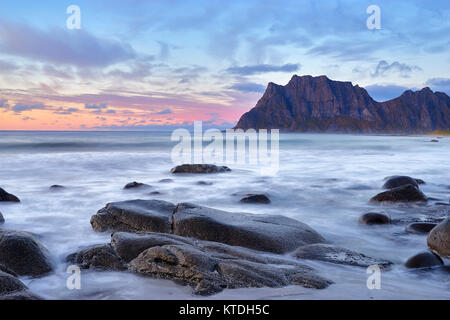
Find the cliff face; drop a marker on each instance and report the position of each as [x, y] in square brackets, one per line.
[318, 104]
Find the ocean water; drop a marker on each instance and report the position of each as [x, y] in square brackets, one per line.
[323, 180]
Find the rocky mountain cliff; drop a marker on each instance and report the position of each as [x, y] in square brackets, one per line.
[318, 104]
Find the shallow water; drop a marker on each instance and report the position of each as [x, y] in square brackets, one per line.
[323, 180]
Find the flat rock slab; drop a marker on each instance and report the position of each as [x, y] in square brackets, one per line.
[199, 168]
[7, 197]
[405, 193]
[23, 254]
[135, 215]
[439, 239]
[270, 233]
[338, 255]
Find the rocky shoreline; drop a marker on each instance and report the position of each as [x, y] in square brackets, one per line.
[211, 250]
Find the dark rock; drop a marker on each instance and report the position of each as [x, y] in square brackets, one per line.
[318, 104]
[97, 257]
[424, 260]
[56, 187]
[22, 295]
[256, 198]
[374, 218]
[9, 284]
[204, 183]
[134, 215]
[398, 181]
[439, 239]
[133, 185]
[199, 168]
[334, 254]
[434, 140]
[2, 220]
[277, 234]
[405, 193]
[420, 227]
[23, 254]
[7, 197]
[155, 193]
[7, 270]
[166, 181]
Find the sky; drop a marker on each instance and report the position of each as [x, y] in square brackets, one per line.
[162, 64]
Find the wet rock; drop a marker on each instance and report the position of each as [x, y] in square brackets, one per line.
[373, 218]
[256, 198]
[277, 234]
[439, 238]
[134, 215]
[405, 193]
[425, 259]
[204, 183]
[398, 181]
[155, 193]
[20, 296]
[134, 185]
[97, 257]
[2, 220]
[56, 187]
[23, 254]
[434, 140]
[199, 168]
[7, 197]
[9, 284]
[338, 255]
[420, 227]
[166, 181]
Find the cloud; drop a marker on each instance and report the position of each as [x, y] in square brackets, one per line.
[95, 106]
[385, 92]
[165, 111]
[248, 87]
[439, 84]
[62, 46]
[18, 108]
[61, 110]
[4, 104]
[383, 68]
[263, 68]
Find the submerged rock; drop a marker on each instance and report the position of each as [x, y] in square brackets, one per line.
[256, 198]
[425, 259]
[56, 187]
[199, 168]
[7, 197]
[439, 238]
[420, 227]
[166, 181]
[398, 181]
[134, 215]
[372, 218]
[338, 255]
[133, 185]
[405, 193]
[204, 183]
[2, 220]
[97, 257]
[23, 254]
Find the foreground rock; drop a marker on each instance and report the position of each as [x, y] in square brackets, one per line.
[23, 254]
[424, 260]
[208, 267]
[199, 168]
[97, 257]
[256, 198]
[135, 215]
[420, 227]
[405, 193]
[398, 181]
[268, 233]
[12, 288]
[439, 239]
[2, 220]
[134, 185]
[338, 255]
[7, 197]
[373, 218]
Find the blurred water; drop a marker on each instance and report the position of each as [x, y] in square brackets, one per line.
[324, 181]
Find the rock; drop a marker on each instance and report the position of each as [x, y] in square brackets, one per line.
[256, 198]
[434, 140]
[338, 255]
[420, 227]
[7, 270]
[405, 193]
[155, 193]
[372, 218]
[439, 239]
[20, 296]
[398, 181]
[7, 197]
[166, 181]
[97, 257]
[133, 185]
[199, 168]
[2, 220]
[270, 233]
[56, 187]
[23, 254]
[135, 215]
[204, 183]
[424, 260]
[9, 284]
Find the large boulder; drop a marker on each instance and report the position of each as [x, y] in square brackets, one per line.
[271, 233]
[424, 260]
[97, 257]
[12, 288]
[338, 255]
[23, 254]
[398, 181]
[405, 193]
[7, 197]
[439, 238]
[199, 168]
[135, 215]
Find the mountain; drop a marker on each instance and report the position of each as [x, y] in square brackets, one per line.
[318, 104]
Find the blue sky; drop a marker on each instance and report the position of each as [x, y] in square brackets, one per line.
[165, 63]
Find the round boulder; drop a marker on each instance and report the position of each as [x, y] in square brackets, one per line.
[405, 193]
[372, 218]
[439, 238]
[256, 198]
[425, 259]
[420, 227]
